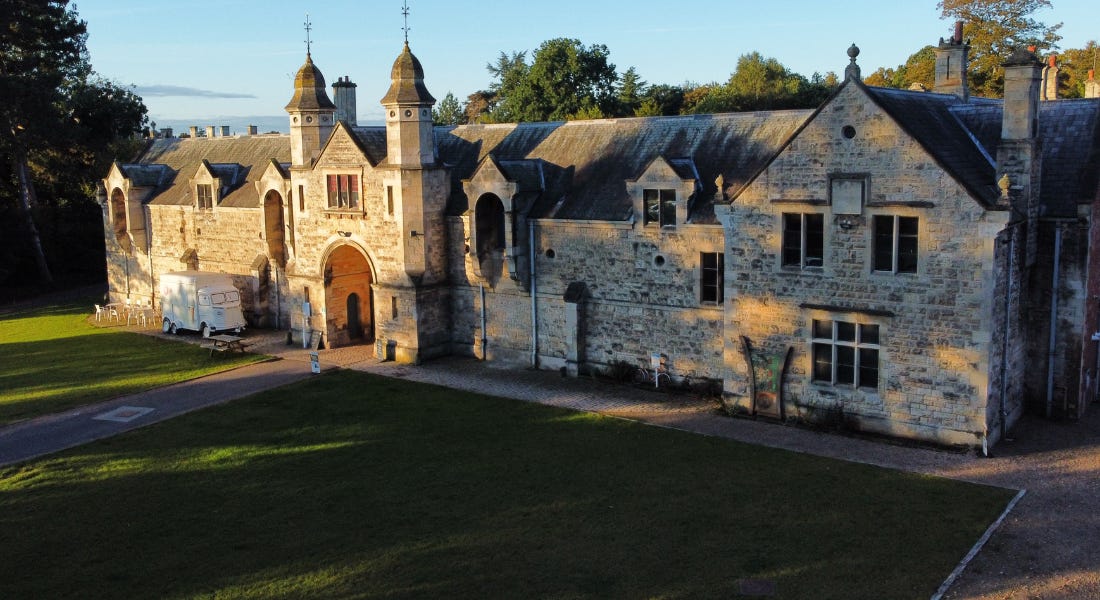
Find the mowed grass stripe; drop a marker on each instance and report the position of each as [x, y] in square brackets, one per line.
[349, 485]
[54, 360]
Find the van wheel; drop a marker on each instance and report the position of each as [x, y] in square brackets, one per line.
[172, 329]
[205, 330]
[166, 326]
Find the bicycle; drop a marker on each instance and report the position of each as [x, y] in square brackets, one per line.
[646, 376]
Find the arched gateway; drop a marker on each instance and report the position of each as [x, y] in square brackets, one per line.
[349, 302]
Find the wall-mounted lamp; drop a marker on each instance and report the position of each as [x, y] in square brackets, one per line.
[848, 221]
[344, 233]
[415, 233]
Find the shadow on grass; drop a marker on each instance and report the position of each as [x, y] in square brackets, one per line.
[353, 485]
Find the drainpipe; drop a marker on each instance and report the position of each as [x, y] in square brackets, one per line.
[1004, 336]
[278, 300]
[1051, 351]
[484, 338]
[534, 299]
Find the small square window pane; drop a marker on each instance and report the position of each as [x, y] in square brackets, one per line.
[846, 365]
[845, 332]
[823, 362]
[868, 367]
[823, 329]
[868, 334]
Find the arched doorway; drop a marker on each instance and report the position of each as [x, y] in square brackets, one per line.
[118, 218]
[273, 228]
[348, 300]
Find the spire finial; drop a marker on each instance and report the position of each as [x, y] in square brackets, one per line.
[405, 13]
[309, 27]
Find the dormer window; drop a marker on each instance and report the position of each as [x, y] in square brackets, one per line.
[660, 207]
[343, 191]
[204, 196]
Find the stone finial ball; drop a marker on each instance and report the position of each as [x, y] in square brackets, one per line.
[853, 51]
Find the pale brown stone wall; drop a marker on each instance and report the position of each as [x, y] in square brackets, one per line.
[936, 325]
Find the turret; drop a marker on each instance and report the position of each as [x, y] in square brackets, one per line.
[311, 114]
[409, 138]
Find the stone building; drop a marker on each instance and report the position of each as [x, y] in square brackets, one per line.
[915, 263]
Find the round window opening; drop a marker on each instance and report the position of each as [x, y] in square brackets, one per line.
[408, 113]
[393, 113]
[659, 260]
[848, 131]
[295, 119]
[550, 253]
[309, 119]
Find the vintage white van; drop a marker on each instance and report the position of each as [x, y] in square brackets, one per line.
[200, 301]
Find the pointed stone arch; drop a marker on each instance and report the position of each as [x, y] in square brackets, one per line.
[275, 228]
[348, 274]
[118, 218]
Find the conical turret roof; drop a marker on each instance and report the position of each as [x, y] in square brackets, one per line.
[407, 77]
[309, 89]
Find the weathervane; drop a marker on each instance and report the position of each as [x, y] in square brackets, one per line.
[309, 27]
[405, 12]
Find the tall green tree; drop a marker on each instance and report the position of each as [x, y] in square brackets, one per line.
[564, 79]
[59, 123]
[920, 69]
[1075, 64]
[994, 28]
[448, 111]
[631, 88]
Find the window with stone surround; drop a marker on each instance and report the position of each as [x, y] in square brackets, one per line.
[660, 207]
[711, 266]
[803, 240]
[895, 244]
[204, 196]
[845, 353]
[343, 191]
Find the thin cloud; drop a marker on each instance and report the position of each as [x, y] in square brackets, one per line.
[177, 90]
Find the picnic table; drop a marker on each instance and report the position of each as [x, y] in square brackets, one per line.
[224, 342]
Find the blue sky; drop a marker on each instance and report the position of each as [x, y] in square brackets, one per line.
[201, 60]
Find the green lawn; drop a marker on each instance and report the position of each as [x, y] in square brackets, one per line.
[54, 359]
[354, 486]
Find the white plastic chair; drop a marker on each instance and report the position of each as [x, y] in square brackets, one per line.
[100, 312]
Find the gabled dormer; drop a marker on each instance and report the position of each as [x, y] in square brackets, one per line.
[501, 193]
[663, 193]
[128, 187]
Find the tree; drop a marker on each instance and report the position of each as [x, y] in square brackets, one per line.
[1075, 64]
[920, 68]
[58, 120]
[448, 111]
[661, 100]
[478, 105]
[564, 79]
[631, 87]
[994, 28]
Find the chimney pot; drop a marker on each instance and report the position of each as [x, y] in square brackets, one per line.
[210, 131]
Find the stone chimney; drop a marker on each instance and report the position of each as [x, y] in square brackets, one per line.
[167, 132]
[210, 131]
[225, 131]
[951, 63]
[343, 95]
[193, 131]
[1018, 154]
[1092, 87]
[1050, 79]
[253, 130]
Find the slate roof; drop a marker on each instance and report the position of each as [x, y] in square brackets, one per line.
[1069, 139]
[238, 161]
[929, 119]
[963, 138]
[587, 163]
